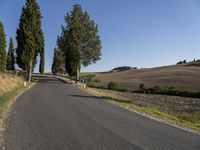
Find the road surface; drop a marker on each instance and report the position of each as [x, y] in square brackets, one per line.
[54, 115]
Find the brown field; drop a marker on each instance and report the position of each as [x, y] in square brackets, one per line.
[9, 82]
[182, 77]
[171, 104]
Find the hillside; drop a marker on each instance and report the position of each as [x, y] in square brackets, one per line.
[184, 76]
[9, 82]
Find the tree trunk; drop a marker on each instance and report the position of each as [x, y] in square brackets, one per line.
[30, 71]
[77, 74]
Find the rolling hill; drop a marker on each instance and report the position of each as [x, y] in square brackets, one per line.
[183, 76]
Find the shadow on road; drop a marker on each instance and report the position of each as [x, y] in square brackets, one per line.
[46, 79]
[102, 97]
[91, 97]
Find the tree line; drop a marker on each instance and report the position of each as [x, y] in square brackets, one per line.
[79, 44]
[30, 42]
[7, 61]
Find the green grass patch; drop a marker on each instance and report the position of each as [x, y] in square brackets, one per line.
[5, 98]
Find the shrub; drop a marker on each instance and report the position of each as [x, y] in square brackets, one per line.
[167, 91]
[141, 88]
[97, 80]
[112, 85]
[90, 83]
[156, 89]
[88, 79]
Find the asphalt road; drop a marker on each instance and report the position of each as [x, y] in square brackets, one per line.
[54, 115]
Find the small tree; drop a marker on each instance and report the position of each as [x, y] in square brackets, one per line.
[57, 62]
[2, 48]
[10, 62]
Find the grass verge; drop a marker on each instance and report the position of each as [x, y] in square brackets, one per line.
[5, 98]
[164, 117]
[189, 123]
[6, 101]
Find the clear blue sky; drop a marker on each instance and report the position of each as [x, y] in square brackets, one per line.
[141, 33]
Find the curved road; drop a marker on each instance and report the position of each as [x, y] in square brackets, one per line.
[54, 115]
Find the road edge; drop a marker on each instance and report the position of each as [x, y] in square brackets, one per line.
[6, 112]
[142, 114]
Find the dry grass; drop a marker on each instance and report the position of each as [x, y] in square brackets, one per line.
[180, 76]
[10, 86]
[9, 82]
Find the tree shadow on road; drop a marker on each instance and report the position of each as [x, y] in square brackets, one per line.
[88, 97]
[46, 79]
[102, 97]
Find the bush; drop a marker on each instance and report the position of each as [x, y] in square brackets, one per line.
[141, 88]
[90, 83]
[157, 89]
[112, 85]
[97, 80]
[167, 91]
[88, 79]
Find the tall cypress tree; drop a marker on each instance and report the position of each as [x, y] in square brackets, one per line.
[75, 35]
[2, 48]
[79, 41]
[42, 60]
[25, 39]
[91, 49]
[10, 62]
[30, 40]
[57, 62]
[39, 37]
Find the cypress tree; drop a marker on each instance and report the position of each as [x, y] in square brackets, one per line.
[57, 62]
[2, 48]
[91, 49]
[75, 35]
[39, 37]
[30, 40]
[25, 39]
[79, 41]
[10, 62]
[41, 67]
